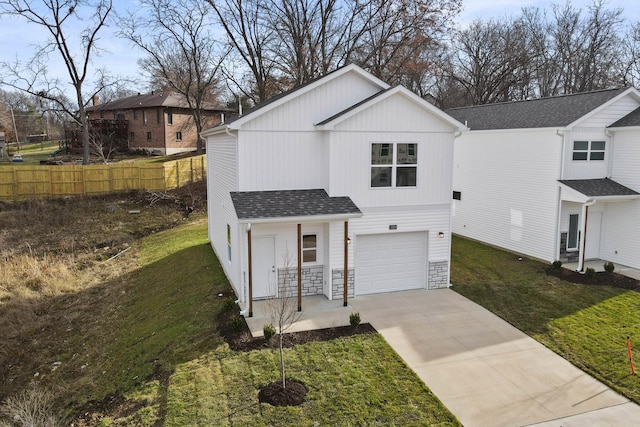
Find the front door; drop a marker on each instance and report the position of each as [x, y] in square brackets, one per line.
[264, 267]
[594, 222]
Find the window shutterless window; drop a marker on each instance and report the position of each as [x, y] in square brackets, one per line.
[144, 117]
[148, 136]
[132, 135]
[572, 236]
[394, 164]
[178, 136]
[309, 248]
[169, 117]
[588, 150]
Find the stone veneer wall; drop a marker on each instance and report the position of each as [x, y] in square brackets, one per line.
[312, 280]
[567, 256]
[337, 283]
[438, 274]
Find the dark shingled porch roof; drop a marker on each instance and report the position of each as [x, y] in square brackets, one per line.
[631, 119]
[598, 187]
[253, 205]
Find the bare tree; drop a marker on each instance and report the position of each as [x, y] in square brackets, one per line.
[181, 51]
[629, 65]
[60, 19]
[283, 309]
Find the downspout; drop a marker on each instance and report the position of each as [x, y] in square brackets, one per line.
[583, 237]
[556, 243]
[249, 308]
[609, 151]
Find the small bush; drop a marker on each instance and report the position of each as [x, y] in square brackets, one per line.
[269, 331]
[556, 265]
[229, 304]
[590, 272]
[354, 319]
[609, 267]
[237, 323]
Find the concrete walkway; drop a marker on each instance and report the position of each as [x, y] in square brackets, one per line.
[484, 370]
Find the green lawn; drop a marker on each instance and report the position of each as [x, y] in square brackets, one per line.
[161, 353]
[31, 153]
[587, 325]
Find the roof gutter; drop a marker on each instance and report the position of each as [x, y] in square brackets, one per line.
[306, 218]
[561, 134]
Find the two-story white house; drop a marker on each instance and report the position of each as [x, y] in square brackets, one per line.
[553, 178]
[342, 174]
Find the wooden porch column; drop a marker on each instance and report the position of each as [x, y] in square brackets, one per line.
[250, 274]
[346, 262]
[299, 267]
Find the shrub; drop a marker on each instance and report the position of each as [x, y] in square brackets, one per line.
[354, 319]
[237, 323]
[269, 331]
[556, 264]
[609, 267]
[229, 304]
[590, 272]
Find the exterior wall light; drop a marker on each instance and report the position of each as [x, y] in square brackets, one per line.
[441, 235]
[348, 240]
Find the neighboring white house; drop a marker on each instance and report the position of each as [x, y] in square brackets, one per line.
[553, 178]
[344, 170]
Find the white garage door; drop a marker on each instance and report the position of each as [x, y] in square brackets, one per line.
[391, 262]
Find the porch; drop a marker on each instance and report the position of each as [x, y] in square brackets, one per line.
[318, 312]
[598, 265]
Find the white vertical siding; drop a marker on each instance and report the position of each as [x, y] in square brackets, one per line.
[282, 160]
[625, 167]
[304, 111]
[508, 181]
[586, 169]
[611, 113]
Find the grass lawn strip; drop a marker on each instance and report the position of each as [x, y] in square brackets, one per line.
[356, 380]
[587, 325]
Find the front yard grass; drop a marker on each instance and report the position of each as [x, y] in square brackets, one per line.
[587, 325]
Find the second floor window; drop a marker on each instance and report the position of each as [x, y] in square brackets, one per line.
[588, 150]
[169, 117]
[144, 117]
[394, 164]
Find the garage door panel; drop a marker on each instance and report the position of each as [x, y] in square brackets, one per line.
[391, 262]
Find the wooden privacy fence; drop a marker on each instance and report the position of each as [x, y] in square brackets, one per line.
[22, 182]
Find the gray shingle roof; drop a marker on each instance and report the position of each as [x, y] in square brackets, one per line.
[599, 187]
[631, 119]
[149, 100]
[290, 203]
[353, 107]
[535, 113]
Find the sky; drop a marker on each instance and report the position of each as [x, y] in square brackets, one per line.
[121, 58]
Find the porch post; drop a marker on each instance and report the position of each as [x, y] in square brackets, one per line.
[250, 274]
[584, 238]
[299, 267]
[346, 262]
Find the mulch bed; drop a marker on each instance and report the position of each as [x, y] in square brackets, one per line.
[291, 395]
[600, 278]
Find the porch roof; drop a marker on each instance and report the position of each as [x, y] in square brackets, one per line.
[287, 205]
[602, 188]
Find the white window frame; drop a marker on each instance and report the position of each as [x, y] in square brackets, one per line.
[590, 151]
[575, 232]
[412, 148]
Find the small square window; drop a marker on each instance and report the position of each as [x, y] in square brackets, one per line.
[309, 248]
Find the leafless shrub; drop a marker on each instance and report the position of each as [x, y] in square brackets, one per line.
[31, 408]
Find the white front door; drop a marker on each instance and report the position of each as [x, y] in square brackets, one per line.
[594, 222]
[264, 267]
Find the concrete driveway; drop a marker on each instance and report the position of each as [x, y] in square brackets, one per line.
[484, 370]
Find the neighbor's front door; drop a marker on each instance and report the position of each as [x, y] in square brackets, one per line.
[264, 267]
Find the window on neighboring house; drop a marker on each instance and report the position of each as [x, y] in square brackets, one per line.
[178, 136]
[588, 150]
[457, 195]
[394, 164]
[572, 236]
[229, 242]
[159, 116]
[132, 135]
[169, 117]
[144, 117]
[102, 114]
[309, 247]
[148, 136]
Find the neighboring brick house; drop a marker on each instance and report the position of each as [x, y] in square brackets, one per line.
[157, 122]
